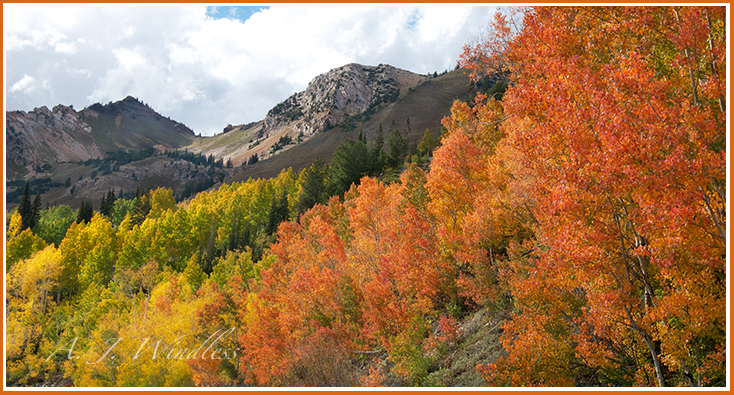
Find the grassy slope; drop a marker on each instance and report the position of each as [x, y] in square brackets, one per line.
[139, 127]
[425, 106]
[479, 343]
[225, 140]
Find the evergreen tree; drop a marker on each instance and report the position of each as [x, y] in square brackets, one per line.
[278, 212]
[313, 186]
[85, 213]
[103, 205]
[377, 154]
[397, 148]
[380, 138]
[108, 201]
[349, 163]
[36, 209]
[24, 208]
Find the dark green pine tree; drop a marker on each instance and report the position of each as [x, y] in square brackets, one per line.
[278, 212]
[379, 139]
[103, 205]
[377, 154]
[348, 164]
[85, 213]
[108, 201]
[24, 208]
[397, 148]
[313, 186]
[36, 209]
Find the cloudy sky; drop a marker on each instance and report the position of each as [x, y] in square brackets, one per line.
[210, 66]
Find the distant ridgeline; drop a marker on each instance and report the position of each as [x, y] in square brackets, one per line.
[73, 156]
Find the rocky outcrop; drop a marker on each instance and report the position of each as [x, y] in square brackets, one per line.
[333, 97]
[329, 100]
[44, 135]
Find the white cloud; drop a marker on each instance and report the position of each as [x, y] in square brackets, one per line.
[208, 72]
[68, 48]
[25, 84]
[128, 31]
[129, 59]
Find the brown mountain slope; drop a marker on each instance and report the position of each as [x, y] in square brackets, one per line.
[424, 105]
[329, 100]
[43, 137]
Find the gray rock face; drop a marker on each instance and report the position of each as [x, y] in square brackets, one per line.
[42, 135]
[339, 94]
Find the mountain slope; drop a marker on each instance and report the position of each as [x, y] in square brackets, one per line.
[43, 137]
[58, 148]
[333, 97]
[329, 100]
[131, 124]
[425, 106]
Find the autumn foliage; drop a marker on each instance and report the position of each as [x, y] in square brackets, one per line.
[587, 208]
[619, 121]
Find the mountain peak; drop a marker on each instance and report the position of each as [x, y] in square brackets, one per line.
[340, 93]
[44, 136]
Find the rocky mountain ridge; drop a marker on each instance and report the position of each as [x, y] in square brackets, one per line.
[329, 100]
[32, 136]
[42, 137]
[333, 97]
[79, 155]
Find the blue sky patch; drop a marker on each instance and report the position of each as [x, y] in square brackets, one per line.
[413, 20]
[241, 13]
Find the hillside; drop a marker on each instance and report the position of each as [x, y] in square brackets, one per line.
[425, 106]
[39, 139]
[131, 124]
[329, 100]
[79, 155]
